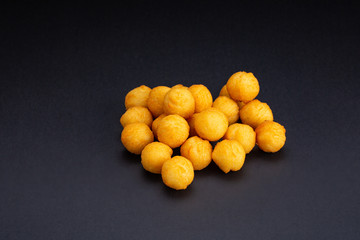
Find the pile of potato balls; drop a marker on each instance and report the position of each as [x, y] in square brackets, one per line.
[187, 117]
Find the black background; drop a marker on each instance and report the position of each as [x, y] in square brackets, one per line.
[65, 70]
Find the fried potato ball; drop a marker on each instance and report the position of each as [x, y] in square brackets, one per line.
[270, 136]
[198, 151]
[179, 100]
[211, 124]
[224, 92]
[177, 173]
[243, 86]
[202, 96]
[156, 122]
[155, 101]
[154, 155]
[136, 114]
[136, 136]
[242, 133]
[173, 130]
[229, 107]
[191, 122]
[137, 97]
[229, 155]
[255, 112]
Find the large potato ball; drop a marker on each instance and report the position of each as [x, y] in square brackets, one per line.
[156, 123]
[211, 124]
[177, 173]
[137, 97]
[155, 101]
[229, 155]
[136, 114]
[154, 155]
[136, 136]
[229, 107]
[173, 130]
[202, 96]
[270, 136]
[180, 101]
[198, 151]
[255, 112]
[243, 86]
[242, 133]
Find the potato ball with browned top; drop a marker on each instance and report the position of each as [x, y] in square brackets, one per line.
[242, 133]
[243, 86]
[137, 97]
[173, 130]
[255, 112]
[270, 136]
[198, 151]
[211, 124]
[136, 136]
[177, 173]
[191, 122]
[154, 155]
[136, 114]
[155, 101]
[202, 96]
[180, 101]
[229, 155]
[229, 107]
[155, 124]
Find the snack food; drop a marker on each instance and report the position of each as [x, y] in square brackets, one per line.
[229, 107]
[173, 130]
[155, 101]
[229, 155]
[136, 136]
[243, 86]
[154, 155]
[255, 112]
[136, 114]
[137, 97]
[270, 136]
[180, 101]
[155, 124]
[211, 124]
[202, 96]
[198, 151]
[177, 173]
[191, 122]
[242, 133]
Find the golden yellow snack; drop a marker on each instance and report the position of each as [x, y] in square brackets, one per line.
[229, 155]
[154, 155]
[155, 101]
[179, 100]
[270, 136]
[173, 130]
[191, 122]
[243, 86]
[137, 97]
[242, 133]
[224, 92]
[229, 107]
[136, 114]
[202, 96]
[179, 86]
[211, 124]
[155, 124]
[177, 173]
[136, 136]
[198, 151]
[255, 112]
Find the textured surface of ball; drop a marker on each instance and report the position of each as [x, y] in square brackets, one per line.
[211, 124]
[136, 136]
[155, 101]
[270, 136]
[198, 151]
[155, 124]
[136, 115]
[229, 155]
[202, 96]
[180, 101]
[229, 107]
[173, 130]
[242, 133]
[177, 173]
[154, 155]
[243, 86]
[137, 97]
[255, 112]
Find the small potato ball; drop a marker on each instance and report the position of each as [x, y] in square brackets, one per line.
[173, 130]
[243, 86]
[179, 100]
[229, 155]
[155, 101]
[177, 173]
[211, 124]
[224, 92]
[136, 136]
[156, 122]
[270, 136]
[154, 155]
[202, 96]
[137, 97]
[229, 107]
[136, 114]
[191, 122]
[255, 112]
[198, 151]
[242, 133]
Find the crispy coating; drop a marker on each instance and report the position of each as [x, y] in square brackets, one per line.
[155, 101]
[154, 155]
[229, 107]
[198, 151]
[155, 124]
[202, 96]
[255, 112]
[137, 97]
[136, 136]
[179, 100]
[211, 124]
[229, 155]
[242, 133]
[243, 86]
[177, 173]
[270, 136]
[191, 122]
[173, 130]
[136, 114]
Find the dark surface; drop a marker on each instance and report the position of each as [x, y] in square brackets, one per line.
[65, 70]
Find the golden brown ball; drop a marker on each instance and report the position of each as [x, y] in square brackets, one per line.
[242, 133]
[173, 130]
[180, 101]
[243, 86]
[156, 123]
[137, 97]
[202, 96]
[229, 155]
[270, 136]
[136, 114]
[198, 151]
[224, 92]
[154, 155]
[211, 124]
[136, 136]
[191, 122]
[155, 101]
[255, 112]
[229, 107]
[177, 173]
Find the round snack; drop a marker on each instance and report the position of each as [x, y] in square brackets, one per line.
[155, 101]
[242, 133]
[224, 92]
[137, 97]
[270, 136]
[154, 155]
[191, 122]
[179, 100]
[243, 86]
[136, 136]
[229, 155]
[155, 124]
[173, 130]
[211, 124]
[198, 151]
[177, 173]
[136, 114]
[255, 112]
[229, 107]
[202, 96]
